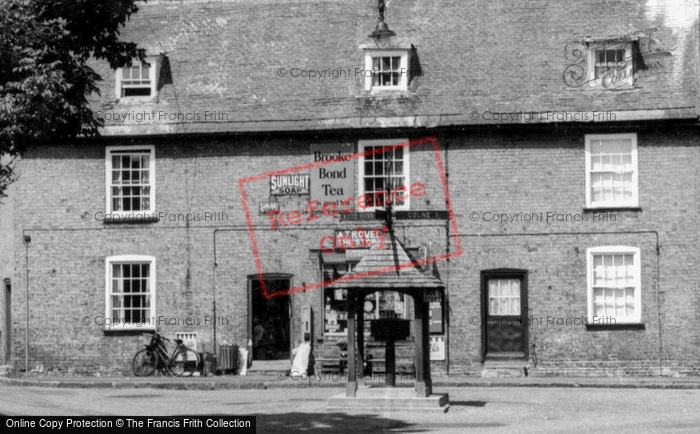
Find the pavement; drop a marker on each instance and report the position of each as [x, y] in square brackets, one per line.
[282, 380]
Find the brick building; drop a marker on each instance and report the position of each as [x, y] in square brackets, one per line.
[563, 134]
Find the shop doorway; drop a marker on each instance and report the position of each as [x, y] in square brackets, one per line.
[504, 314]
[270, 317]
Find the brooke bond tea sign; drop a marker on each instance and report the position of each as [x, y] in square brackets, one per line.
[335, 180]
[297, 183]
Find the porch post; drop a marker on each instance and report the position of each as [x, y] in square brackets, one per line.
[351, 386]
[423, 381]
[361, 337]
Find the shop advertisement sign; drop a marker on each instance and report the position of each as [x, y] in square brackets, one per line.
[437, 348]
[435, 323]
[355, 238]
[297, 183]
[434, 300]
[336, 180]
[266, 207]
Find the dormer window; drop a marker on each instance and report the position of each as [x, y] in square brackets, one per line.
[386, 70]
[136, 81]
[611, 65]
[609, 59]
[140, 80]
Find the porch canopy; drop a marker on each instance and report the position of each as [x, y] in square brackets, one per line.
[383, 268]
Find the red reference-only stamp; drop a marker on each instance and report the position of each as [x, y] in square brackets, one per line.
[382, 175]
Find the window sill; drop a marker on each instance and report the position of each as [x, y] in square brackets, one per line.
[133, 100]
[128, 331]
[614, 327]
[612, 208]
[130, 218]
[387, 94]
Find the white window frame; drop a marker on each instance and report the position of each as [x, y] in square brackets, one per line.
[403, 70]
[155, 63]
[406, 169]
[592, 59]
[152, 180]
[618, 250]
[634, 202]
[150, 323]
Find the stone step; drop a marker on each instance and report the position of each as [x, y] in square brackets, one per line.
[269, 367]
[389, 399]
[504, 369]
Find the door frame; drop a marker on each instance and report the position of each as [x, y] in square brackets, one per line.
[249, 295]
[505, 273]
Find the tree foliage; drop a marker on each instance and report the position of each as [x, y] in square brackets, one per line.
[44, 77]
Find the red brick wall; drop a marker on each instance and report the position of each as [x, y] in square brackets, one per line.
[540, 172]
[525, 170]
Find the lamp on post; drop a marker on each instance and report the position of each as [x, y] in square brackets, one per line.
[381, 33]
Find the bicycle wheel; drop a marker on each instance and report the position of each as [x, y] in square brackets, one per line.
[144, 363]
[185, 362]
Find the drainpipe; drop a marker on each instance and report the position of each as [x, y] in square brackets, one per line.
[27, 240]
[447, 308]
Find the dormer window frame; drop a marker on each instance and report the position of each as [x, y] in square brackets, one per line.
[374, 71]
[154, 63]
[603, 79]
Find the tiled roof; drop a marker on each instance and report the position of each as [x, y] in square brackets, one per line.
[387, 268]
[477, 57]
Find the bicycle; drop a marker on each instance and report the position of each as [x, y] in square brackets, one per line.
[183, 362]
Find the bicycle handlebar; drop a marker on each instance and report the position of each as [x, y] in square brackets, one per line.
[158, 335]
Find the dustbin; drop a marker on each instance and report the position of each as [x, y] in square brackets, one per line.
[228, 358]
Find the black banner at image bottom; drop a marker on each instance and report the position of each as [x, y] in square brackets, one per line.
[127, 424]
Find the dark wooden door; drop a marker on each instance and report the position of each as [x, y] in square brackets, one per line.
[504, 314]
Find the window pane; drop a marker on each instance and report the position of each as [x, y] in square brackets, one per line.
[515, 288]
[493, 306]
[493, 288]
[515, 307]
[379, 184]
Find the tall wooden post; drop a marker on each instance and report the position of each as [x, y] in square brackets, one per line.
[424, 386]
[361, 336]
[351, 386]
[390, 363]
